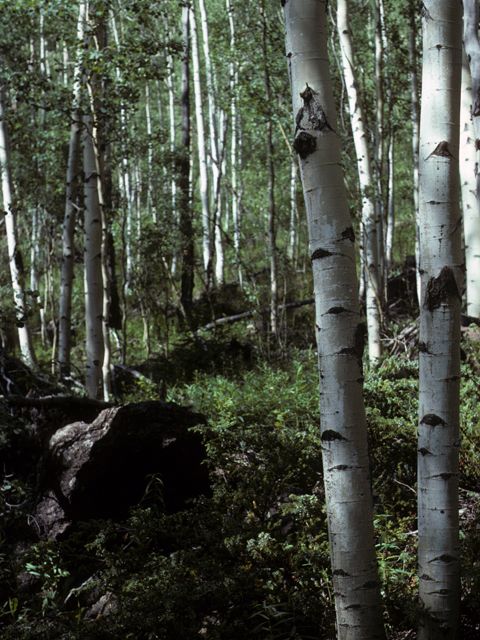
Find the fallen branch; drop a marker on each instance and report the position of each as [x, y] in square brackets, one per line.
[249, 314]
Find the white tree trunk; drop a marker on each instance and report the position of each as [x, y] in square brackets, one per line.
[97, 296]
[68, 248]
[412, 56]
[271, 221]
[391, 203]
[150, 199]
[367, 184]
[293, 211]
[439, 346]
[340, 332]
[202, 156]
[471, 217]
[14, 255]
[233, 149]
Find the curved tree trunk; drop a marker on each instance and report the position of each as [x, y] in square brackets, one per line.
[340, 332]
[367, 184]
[439, 346]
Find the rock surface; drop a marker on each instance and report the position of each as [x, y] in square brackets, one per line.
[100, 470]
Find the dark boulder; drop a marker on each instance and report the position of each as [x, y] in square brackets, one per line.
[100, 470]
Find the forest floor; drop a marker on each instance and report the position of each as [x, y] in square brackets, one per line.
[250, 557]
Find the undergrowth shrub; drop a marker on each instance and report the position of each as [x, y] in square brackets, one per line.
[253, 559]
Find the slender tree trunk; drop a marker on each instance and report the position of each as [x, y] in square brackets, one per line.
[68, 248]
[472, 49]
[340, 332]
[391, 203]
[412, 54]
[202, 156]
[272, 232]
[293, 211]
[183, 164]
[96, 241]
[471, 217]
[233, 148]
[150, 199]
[367, 185]
[14, 254]
[439, 346]
[378, 147]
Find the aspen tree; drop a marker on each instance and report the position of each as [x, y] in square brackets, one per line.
[367, 185]
[472, 49]
[97, 295]
[183, 165]
[14, 255]
[391, 203]
[68, 248]
[439, 345]
[271, 220]
[202, 156]
[471, 217]
[340, 332]
[234, 159]
[412, 57]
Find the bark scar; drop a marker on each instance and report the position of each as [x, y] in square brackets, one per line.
[441, 289]
[311, 115]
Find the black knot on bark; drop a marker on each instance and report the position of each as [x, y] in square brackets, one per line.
[312, 114]
[340, 572]
[442, 150]
[305, 144]
[441, 289]
[320, 253]
[330, 436]
[348, 234]
[424, 12]
[432, 420]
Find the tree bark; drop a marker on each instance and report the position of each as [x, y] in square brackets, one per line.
[367, 185]
[412, 56]
[202, 156]
[271, 223]
[183, 166]
[439, 346]
[340, 332]
[68, 247]
[471, 217]
[14, 254]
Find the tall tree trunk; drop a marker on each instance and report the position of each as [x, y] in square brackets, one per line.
[440, 239]
[390, 203]
[471, 217]
[378, 147]
[233, 149]
[413, 57]
[472, 49]
[150, 199]
[367, 185]
[202, 156]
[96, 235]
[14, 254]
[293, 211]
[271, 226]
[183, 165]
[68, 248]
[340, 332]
